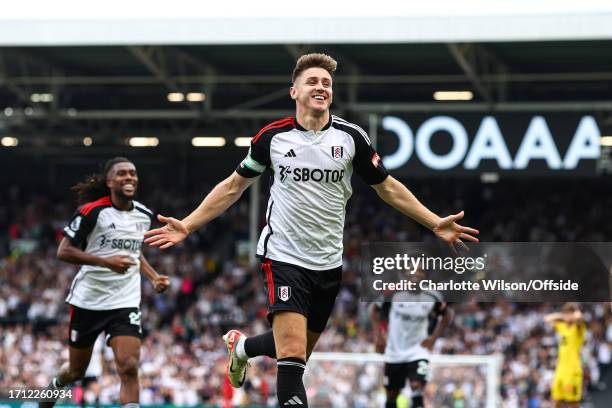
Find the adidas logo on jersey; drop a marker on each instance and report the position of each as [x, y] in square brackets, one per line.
[294, 401]
[111, 226]
[290, 153]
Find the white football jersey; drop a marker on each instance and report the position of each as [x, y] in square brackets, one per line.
[409, 317]
[311, 185]
[102, 230]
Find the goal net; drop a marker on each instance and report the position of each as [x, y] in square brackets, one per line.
[356, 379]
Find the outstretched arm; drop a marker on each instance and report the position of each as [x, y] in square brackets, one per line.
[216, 202]
[399, 197]
[553, 318]
[577, 317]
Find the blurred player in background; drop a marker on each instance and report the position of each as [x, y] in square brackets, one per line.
[567, 385]
[405, 329]
[312, 156]
[105, 237]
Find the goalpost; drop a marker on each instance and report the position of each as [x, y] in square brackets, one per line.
[359, 376]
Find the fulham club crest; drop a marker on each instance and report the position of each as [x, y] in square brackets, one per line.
[284, 293]
[337, 152]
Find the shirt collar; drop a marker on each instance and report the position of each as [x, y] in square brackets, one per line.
[119, 209]
[300, 127]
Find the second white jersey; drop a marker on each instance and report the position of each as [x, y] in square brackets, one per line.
[104, 231]
[311, 185]
[409, 316]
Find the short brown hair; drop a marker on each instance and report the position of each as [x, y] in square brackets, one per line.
[314, 61]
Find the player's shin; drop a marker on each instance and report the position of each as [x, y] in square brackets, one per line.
[290, 385]
[391, 401]
[260, 345]
[418, 388]
[417, 400]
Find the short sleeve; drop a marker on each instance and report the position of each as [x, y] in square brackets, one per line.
[367, 163]
[146, 211]
[79, 227]
[256, 161]
[439, 308]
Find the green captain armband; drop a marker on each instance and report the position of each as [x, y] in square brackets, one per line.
[249, 167]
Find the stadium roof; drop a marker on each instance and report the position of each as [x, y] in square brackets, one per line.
[392, 58]
[100, 88]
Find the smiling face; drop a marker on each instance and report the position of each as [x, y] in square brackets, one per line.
[122, 180]
[312, 91]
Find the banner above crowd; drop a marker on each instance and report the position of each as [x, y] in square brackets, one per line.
[463, 144]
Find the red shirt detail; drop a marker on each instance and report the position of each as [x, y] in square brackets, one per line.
[105, 201]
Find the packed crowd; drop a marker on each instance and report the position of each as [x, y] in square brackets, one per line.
[214, 288]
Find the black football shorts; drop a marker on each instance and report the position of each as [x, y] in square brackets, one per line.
[85, 325]
[397, 373]
[305, 291]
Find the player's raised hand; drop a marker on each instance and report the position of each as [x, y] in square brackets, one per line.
[169, 235]
[161, 283]
[119, 263]
[454, 234]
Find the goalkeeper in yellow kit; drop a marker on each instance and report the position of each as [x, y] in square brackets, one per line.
[567, 385]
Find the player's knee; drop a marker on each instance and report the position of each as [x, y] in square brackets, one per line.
[291, 345]
[127, 367]
[291, 351]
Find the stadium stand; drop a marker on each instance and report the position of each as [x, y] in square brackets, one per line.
[183, 356]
